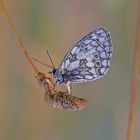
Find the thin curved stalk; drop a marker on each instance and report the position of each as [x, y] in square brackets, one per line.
[15, 33]
[134, 80]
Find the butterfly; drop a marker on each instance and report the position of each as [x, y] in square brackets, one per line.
[87, 61]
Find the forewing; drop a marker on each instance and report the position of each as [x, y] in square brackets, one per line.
[90, 58]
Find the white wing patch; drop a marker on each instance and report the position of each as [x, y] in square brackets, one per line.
[73, 65]
[89, 59]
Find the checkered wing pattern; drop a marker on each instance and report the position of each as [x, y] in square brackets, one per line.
[90, 58]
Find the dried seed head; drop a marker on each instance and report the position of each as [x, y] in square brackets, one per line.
[59, 99]
[62, 100]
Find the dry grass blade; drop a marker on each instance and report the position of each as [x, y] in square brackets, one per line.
[16, 34]
[59, 99]
[134, 81]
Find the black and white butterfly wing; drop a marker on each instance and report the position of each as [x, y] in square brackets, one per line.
[89, 59]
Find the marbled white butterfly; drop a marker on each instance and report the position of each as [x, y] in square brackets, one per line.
[88, 60]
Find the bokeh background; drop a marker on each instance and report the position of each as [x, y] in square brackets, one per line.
[57, 25]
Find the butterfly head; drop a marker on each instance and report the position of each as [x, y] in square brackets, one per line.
[55, 71]
[57, 74]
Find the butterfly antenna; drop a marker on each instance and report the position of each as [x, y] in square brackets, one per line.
[50, 59]
[42, 63]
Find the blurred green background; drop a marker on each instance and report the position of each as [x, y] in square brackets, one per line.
[57, 26]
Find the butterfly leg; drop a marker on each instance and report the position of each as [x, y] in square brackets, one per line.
[69, 87]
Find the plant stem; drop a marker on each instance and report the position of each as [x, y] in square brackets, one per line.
[16, 35]
[135, 71]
